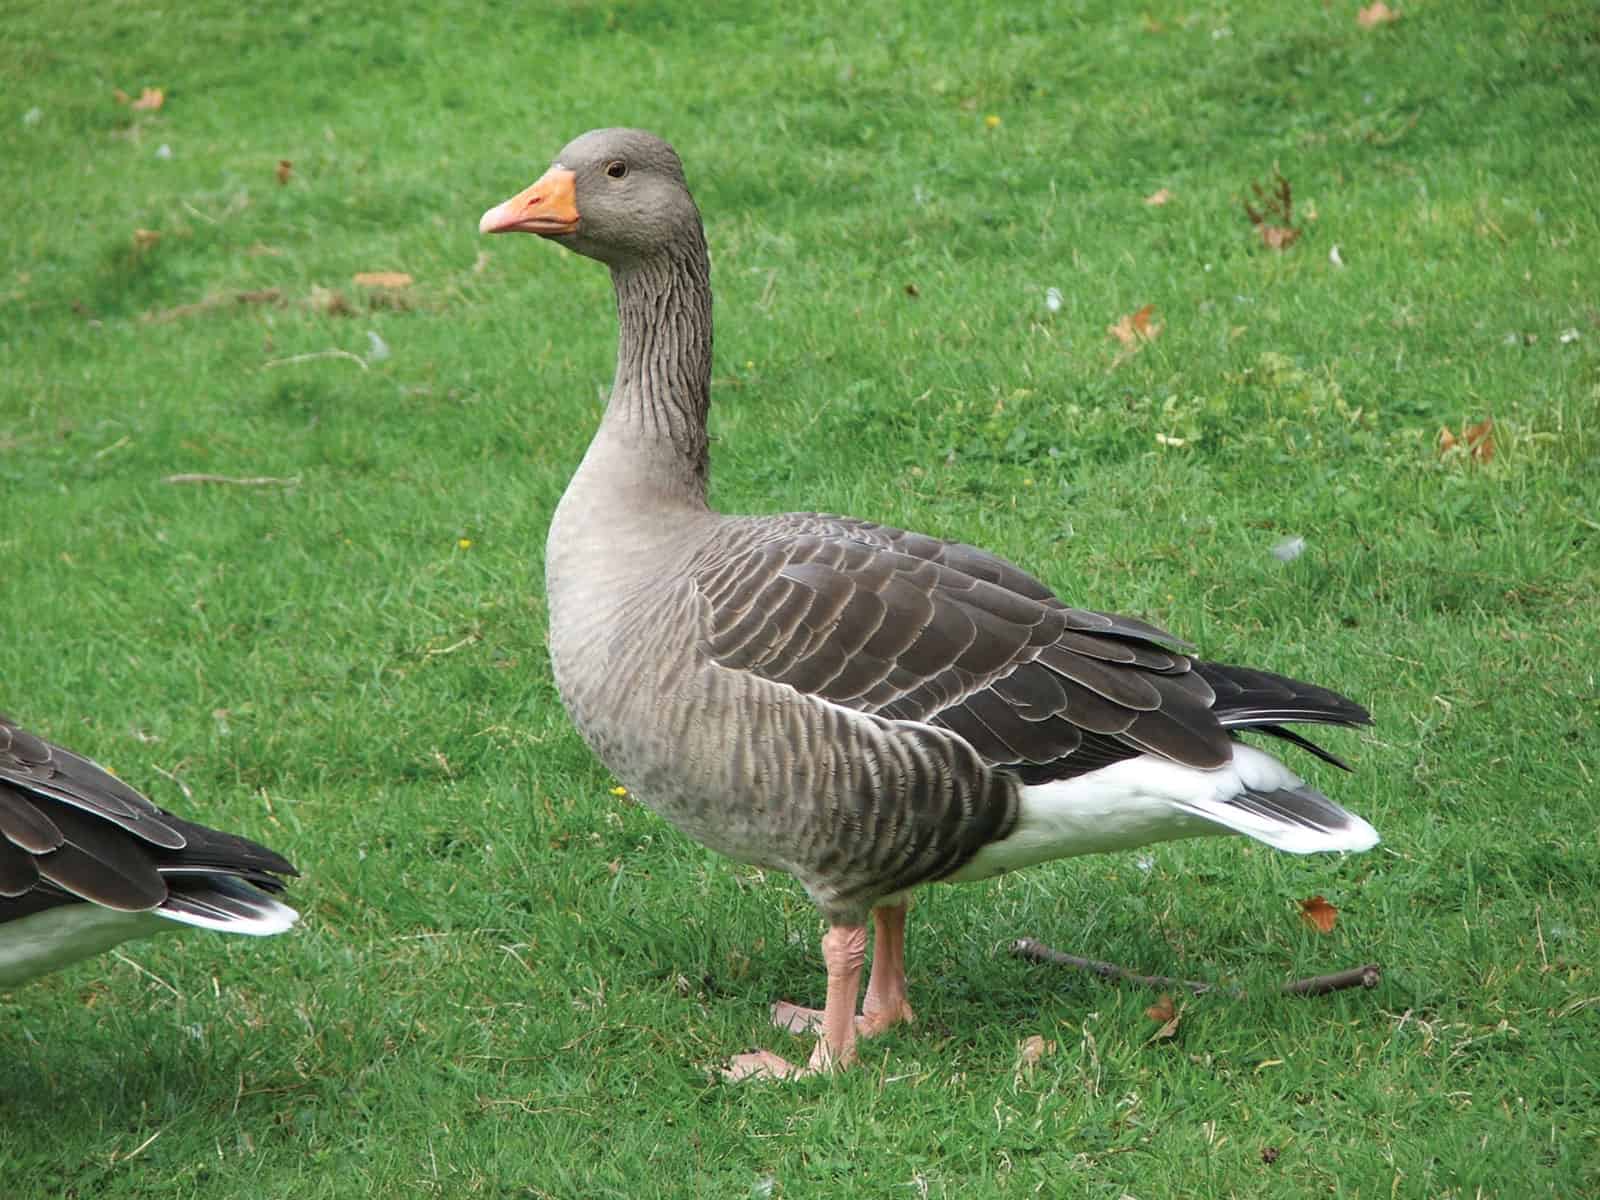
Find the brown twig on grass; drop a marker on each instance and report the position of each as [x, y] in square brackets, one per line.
[314, 355]
[210, 303]
[1368, 975]
[1039, 952]
[236, 480]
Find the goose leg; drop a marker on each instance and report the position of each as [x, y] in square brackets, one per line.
[844, 950]
[886, 1004]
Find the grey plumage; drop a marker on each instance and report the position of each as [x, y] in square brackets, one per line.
[864, 707]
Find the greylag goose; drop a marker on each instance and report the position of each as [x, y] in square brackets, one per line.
[866, 708]
[86, 863]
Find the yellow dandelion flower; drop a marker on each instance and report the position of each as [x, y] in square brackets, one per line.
[464, 544]
[619, 790]
[991, 121]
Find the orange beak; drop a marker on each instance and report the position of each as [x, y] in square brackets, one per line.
[549, 207]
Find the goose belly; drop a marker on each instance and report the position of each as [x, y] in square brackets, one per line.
[856, 807]
[668, 748]
[56, 937]
[1115, 808]
[662, 731]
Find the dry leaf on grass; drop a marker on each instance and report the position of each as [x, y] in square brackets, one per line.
[1133, 331]
[1274, 220]
[1031, 1050]
[1481, 438]
[1136, 328]
[1319, 914]
[1376, 14]
[382, 279]
[1475, 441]
[1168, 1013]
[143, 239]
[1163, 1009]
[285, 170]
[328, 302]
[150, 99]
[1158, 197]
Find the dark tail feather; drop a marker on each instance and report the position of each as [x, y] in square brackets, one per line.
[1250, 697]
[1263, 700]
[1305, 743]
[213, 849]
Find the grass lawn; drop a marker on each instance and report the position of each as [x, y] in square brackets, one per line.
[509, 982]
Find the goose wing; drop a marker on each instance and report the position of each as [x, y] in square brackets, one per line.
[914, 628]
[69, 828]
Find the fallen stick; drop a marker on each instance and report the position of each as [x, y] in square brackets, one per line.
[314, 355]
[222, 300]
[1368, 975]
[236, 480]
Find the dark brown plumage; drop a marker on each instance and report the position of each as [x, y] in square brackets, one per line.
[72, 835]
[914, 628]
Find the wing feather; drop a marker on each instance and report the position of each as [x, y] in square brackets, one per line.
[23, 825]
[35, 765]
[912, 628]
[71, 829]
[17, 872]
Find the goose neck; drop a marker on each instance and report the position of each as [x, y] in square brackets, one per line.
[662, 391]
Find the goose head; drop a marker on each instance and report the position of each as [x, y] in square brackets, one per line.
[616, 195]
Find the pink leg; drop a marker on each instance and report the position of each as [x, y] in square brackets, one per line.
[887, 1002]
[844, 950]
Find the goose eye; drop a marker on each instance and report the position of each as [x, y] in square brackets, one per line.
[617, 169]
